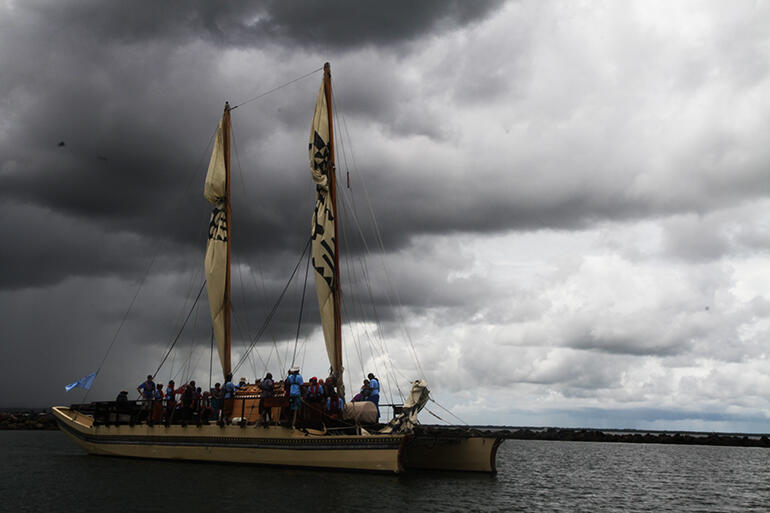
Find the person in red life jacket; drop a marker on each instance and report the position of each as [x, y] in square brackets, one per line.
[333, 407]
[315, 391]
[324, 389]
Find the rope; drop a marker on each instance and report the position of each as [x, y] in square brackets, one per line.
[158, 249]
[180, 330]
[211, 357]
[261, 95]
[439, 418]
[274, 309]
[381, 246]
[301, 308]
[261, 286]
[446, 410]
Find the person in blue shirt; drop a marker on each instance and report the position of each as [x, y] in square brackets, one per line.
[230, 389]
[147, 389]
[294, 380]
[374, 392]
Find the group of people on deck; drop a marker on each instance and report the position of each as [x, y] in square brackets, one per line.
[181, 403]
[319, 395]
[165, 405]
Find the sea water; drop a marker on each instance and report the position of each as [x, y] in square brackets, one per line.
[43, 471]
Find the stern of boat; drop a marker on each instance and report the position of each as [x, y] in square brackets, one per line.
[476, 454]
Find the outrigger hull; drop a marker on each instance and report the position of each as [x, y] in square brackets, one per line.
[277, 445]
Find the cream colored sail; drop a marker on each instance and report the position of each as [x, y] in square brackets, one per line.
[216, 249]
[323, 245]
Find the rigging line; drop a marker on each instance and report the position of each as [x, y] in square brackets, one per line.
[378, 237]
[364, 268]
[257, 286]
[147, 271]
[363, 263]
[199, 354]
[240, 333]
[368, 283]
[304, 352]
[446, 410]
[211, 357]
[347, 299]
[439, 418]
[180, 329]
[301, 309]
[272, 312]
[276, 88]
[239, 173]
[367, 335]
[240, 263]
[190, 365]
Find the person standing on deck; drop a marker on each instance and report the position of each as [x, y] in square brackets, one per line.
[266, 385]
[170, 402]
[294, 380]
[147, 389]
[157, 407]
[230, 389]
[217, 400]
[147, 392]
[374, 392]
[188, 400]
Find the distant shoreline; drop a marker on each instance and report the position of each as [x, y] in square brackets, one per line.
[626, 436]
[39, 419]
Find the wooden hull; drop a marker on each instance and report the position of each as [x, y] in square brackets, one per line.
[477, 454]
[277, 445]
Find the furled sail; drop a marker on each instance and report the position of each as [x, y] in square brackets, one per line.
[216, 248]
[323, 230]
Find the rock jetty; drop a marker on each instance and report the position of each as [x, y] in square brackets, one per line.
[27, 419]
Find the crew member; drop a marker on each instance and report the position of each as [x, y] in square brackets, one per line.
[374, 393]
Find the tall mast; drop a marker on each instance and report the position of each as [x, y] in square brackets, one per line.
[333, 192]
[226, 130]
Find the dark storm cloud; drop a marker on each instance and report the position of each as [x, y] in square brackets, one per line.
[344, 24]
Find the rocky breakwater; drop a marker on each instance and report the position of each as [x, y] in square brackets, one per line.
[27, 419]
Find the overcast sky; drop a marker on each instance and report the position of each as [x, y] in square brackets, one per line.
[573, 200]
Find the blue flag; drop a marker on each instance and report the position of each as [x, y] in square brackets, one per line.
[85, 382]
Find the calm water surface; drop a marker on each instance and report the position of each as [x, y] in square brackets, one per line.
[45, 472]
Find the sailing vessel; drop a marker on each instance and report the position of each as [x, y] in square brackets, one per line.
[115, 429]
